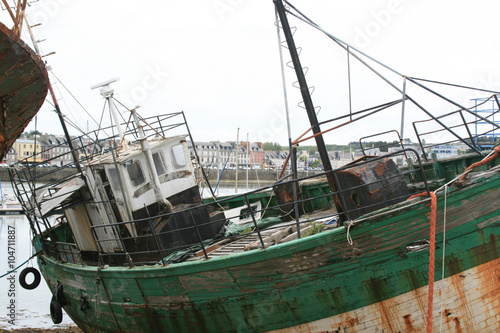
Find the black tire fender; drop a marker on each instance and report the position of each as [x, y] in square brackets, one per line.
[56, 311]
[36, 280]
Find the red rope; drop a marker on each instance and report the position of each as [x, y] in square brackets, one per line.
[432, 249]
[486, 160]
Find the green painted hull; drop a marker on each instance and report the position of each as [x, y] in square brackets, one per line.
[307, 280]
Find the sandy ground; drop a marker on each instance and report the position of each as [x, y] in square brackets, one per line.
[43, 330]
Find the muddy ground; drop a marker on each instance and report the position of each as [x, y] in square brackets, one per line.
[43, 330]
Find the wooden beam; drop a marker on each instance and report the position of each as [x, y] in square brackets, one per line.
[9, 10]
[20, 17]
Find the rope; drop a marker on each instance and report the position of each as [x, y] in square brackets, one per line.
[349, 238]
[15, 269]
[432, 249]
[444, 254]
[488, 159]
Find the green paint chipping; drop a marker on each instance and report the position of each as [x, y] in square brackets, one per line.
[288, 284]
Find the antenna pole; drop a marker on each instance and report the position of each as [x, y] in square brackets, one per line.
[107, 92]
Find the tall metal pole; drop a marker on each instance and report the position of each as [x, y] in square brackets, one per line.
[58, 110]
[248, 159]
[237, 159]
[219, 165]
[304, 90]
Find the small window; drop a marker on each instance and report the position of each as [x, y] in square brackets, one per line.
[135, 173]
[159, 166]
[179, 156]
[113, 178]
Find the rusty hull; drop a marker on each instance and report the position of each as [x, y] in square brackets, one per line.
[23, 87]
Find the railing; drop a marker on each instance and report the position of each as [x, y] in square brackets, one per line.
[27, 176]
[68, 252]
[163, 255]
[274, 214]
[30, 179]
[463, 128]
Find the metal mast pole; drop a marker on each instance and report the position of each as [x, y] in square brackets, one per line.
[304, 90]
[58, 110]
[237, 159]
[248, 159]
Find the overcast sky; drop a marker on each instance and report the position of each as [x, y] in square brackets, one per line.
[218, 60]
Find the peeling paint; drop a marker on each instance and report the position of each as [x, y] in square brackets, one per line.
[23, 87]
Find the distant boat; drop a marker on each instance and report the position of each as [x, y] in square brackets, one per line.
[136, 249]
[9, 205]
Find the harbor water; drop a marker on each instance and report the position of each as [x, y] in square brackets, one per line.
[21, 308]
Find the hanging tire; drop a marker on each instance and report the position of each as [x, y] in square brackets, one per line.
[36, 278]
[56, 311]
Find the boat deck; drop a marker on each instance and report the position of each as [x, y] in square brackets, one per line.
[279, 233]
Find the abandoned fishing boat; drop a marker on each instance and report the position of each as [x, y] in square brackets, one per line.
[126, 243]
[23, 82]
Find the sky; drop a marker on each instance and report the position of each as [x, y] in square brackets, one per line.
[219, 61]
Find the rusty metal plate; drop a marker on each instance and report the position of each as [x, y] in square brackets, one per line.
[371, 186]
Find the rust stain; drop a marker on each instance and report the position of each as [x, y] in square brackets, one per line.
[346, 325]
[380, 169]
[385, 307]
[418, 293]
[457, 325]
[408, 323]
[452, 323]
[459, 286]
[489, 281]
[388, 317]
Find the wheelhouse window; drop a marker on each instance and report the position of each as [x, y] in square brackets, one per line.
[113, 178]
[179, 156]
[159, 165]
[135, 173]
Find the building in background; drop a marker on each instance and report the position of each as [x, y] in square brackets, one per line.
[24, 149]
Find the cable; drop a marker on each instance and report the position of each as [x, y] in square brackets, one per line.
[21, 264]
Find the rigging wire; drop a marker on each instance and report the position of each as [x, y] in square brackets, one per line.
[345, 46]
[455, 85]
[13, 270]
[73, 96]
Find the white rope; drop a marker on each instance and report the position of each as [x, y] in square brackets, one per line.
[349, 238]
[445, 186]
[413, 202]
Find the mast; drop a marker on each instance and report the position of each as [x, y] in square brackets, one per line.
[58, 109]
[107, 92]
[237, 158]
[248, 159]
[304, 90]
